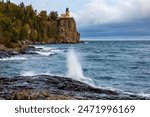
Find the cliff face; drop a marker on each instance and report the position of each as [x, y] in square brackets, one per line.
[62, 30]
[67, 30]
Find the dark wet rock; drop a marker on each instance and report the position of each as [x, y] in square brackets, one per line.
[28, 50]
[53, 87]
[7, 54]
[25, 50]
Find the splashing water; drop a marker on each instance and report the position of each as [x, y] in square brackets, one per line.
[75, 69]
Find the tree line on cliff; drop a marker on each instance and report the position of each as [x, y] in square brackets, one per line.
[20, 23]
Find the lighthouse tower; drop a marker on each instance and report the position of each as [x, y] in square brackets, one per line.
[67, 14]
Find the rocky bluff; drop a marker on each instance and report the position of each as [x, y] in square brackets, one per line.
[64, 29]
[67, 30]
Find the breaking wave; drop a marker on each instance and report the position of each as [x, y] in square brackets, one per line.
[13, 58]
[45, 53]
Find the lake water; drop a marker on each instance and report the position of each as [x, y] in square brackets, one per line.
[118, 65]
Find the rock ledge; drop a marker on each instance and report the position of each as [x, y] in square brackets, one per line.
[44, 87]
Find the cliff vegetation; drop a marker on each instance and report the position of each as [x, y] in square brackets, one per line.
[21, 25]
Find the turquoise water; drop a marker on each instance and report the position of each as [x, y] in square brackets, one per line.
[120, 65]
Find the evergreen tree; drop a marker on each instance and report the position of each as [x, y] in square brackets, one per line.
[43, 15]
[53, 15]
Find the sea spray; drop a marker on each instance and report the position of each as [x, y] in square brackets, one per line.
[75, 69]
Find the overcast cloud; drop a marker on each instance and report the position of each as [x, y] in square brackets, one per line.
[98, 12]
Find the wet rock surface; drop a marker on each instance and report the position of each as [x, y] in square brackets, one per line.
[25, 50]
[53, 88]
[28, 50]
[7, 54]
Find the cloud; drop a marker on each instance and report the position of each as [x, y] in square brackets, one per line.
[97, 12]
[136, 28]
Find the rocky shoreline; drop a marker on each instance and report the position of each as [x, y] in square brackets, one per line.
[29, 49]
[45, 87]
[7, 53]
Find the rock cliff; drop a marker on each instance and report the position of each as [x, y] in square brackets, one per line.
[64, 30]
[67, 30]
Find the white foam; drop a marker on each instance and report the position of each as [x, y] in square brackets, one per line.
[28, 73]
[144, 95]
[13, 58]
[56, 50]
[39, 47]
[32, 73]
[45, 53]
[43, 48]
[47, 49]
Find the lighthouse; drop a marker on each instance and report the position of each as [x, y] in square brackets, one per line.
[67, 14]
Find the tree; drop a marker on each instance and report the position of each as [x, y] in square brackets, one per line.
[20, 22]
[29, 13]
[33, 35]
[43, 15]
[24, 32]
[53, 15]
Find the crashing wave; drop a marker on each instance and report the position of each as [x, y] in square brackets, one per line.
[13, 58]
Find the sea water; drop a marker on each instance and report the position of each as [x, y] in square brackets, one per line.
[119, 65]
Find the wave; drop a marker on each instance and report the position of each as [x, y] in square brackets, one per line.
[33, 73]
[144, 95]
[13, 58]
[57, 50]
[43, 48]
[38, 47]
[45, 53]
